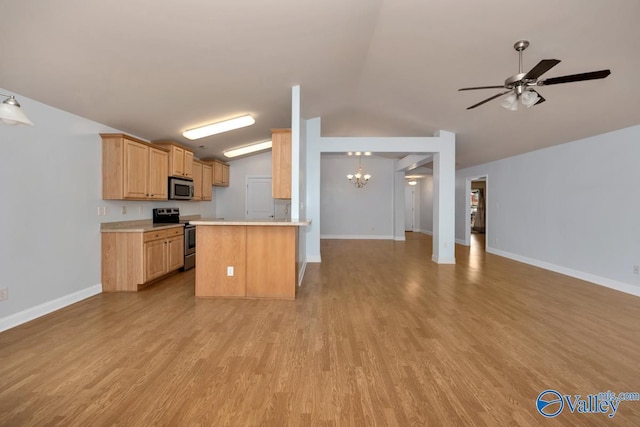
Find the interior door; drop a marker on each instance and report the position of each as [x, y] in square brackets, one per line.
[260, 204]
[409, 208]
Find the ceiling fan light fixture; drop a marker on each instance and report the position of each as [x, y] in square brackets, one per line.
[529, 98]
[510, 102]
[219, 127]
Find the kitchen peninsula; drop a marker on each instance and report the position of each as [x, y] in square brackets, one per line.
[247, 258]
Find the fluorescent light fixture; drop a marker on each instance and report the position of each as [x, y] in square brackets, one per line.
[258, 146]
[11, 113]
[219, 127]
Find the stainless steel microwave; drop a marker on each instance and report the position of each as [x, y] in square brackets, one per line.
[180, 189]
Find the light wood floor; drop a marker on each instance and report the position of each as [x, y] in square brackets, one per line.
[379, 335]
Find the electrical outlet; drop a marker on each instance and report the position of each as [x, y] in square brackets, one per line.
[230, 271]
[99, 211]
[124, 210]
[140, 209]
[4, 294]
[636, 269]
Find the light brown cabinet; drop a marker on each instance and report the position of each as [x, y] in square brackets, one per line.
[197, 180]
[281, 163]
[130, 260]
[207, 181]
[263, 260]
[220, 174]
[202, 180]
[133, 169]
[180, 159]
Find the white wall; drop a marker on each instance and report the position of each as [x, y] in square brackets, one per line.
[571, 208]
[50, 244]
[231, 201]
[350, 212]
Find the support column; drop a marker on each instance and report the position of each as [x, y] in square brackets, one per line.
[444, 186]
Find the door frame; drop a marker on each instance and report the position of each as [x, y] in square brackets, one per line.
[467, 210]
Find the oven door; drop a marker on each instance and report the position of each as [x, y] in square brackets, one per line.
[189, 246]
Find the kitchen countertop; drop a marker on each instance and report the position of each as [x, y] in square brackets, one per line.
[257, 222]
[139, 228]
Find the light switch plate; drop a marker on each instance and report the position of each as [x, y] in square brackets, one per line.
[230, 271]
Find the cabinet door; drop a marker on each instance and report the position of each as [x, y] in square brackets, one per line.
[155, 259]
[188, 164]
[175, 253]
[281, 164]
[158, 173]
[177, 161]
[197, 181]
[217, 173]
[225, 175]
[207, 182]
[136, 170]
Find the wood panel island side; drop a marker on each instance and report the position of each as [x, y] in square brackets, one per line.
[247, 258]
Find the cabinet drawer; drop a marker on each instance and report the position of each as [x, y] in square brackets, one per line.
[154, 235]
[177, 231]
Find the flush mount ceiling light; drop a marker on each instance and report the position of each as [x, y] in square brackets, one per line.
[247, 149]
[412, 182]
[11, 113]
[219, 127]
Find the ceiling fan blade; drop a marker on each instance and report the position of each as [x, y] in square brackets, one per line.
[482, 87]
[575, 78]
[541, 100]
[489, 99]
[542, 67]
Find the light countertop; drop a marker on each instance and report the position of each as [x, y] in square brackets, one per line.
[273, 222]
[138, 228]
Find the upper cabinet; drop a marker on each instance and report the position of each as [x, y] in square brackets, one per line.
[197, 180]
[281, 163]
[220, 173]
[207, 181]
[133, 169]
[180, 159]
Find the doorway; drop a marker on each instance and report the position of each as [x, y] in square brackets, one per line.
[477, 212]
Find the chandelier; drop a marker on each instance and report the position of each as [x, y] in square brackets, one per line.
[359, 179]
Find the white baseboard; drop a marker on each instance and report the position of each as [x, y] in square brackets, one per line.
[598, 280]
[400, 239]
[32, 313]
[356, 237]
[461, 242]
[428, 232]
[303, 267]
[443, 260]
[314, 258]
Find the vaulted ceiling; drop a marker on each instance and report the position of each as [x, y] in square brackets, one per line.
[367, 67]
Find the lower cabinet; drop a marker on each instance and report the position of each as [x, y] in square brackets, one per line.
[130, 260]
[246, 261]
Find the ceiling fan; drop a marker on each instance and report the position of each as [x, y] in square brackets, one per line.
[520, 85]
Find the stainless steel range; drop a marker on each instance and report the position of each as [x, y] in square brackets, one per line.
[172, 216]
